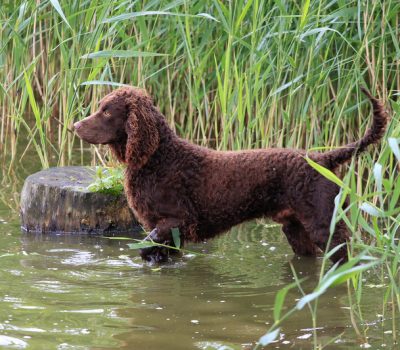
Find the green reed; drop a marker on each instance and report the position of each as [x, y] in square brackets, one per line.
[373, 217]
[234, 75]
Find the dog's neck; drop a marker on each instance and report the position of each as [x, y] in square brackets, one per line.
[119, 149]
[167, 135]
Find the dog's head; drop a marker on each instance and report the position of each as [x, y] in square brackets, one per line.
[126, 121]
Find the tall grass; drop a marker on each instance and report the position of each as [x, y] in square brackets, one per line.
[236, 74]
[230, 74]
[373, 217]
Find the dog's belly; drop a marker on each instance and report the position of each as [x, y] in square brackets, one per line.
[222, 213]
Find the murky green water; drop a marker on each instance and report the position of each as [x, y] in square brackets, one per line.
[77, 292]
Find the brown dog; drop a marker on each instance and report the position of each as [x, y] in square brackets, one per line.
[171, 183]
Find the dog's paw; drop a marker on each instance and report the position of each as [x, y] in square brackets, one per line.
[154, 255]
[158, 254]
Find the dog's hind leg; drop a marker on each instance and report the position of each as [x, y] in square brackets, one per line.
[317, 219]
[298, 238]
[320, 236]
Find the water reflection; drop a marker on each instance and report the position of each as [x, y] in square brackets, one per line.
[93, 293]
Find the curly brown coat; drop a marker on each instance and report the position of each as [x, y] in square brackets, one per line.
[171, 183]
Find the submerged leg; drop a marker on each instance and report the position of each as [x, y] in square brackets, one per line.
[162, 234]
[298, 238]
[320, 236]
[154, 254]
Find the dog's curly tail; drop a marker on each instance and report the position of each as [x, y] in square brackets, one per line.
[339, 156]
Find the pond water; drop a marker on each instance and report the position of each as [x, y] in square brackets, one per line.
[79, 292]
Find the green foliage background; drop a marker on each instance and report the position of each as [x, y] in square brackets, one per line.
[231, 74]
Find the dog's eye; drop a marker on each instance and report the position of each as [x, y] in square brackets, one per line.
[106, 113]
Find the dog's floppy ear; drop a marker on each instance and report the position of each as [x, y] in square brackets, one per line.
[141, 129]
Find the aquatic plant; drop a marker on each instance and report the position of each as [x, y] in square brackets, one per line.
[108, 180]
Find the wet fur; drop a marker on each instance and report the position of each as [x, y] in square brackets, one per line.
[172, 183]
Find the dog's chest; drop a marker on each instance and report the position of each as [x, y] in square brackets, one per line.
[140, 201]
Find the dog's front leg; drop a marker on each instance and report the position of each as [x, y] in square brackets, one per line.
[156, 254]
[161, 234]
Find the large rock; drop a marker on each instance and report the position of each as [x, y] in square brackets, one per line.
[57, 200]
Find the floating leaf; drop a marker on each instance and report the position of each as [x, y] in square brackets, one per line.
[141, 245]
[176, 236]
